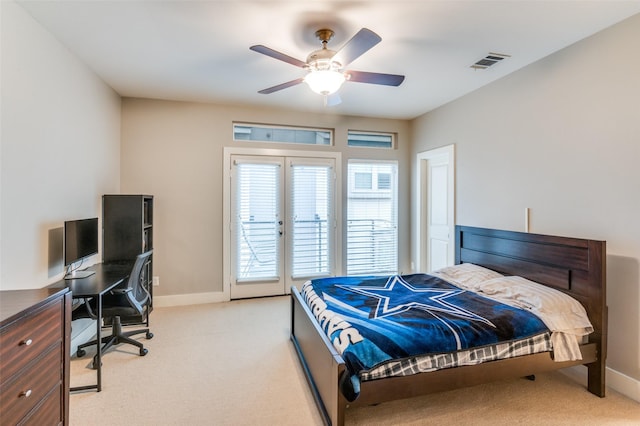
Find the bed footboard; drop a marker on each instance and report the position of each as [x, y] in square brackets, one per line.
[321, 363]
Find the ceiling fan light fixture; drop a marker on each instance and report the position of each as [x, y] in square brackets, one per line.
[325, 74]
[325, 82]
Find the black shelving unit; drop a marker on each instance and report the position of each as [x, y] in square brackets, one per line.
[127, 231]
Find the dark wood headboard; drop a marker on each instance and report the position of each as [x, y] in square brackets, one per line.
[573, 265]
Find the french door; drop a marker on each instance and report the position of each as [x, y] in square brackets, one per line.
[282, 223]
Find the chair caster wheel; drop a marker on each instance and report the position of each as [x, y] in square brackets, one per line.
[144, 351]
[80, 353]
[149, 335]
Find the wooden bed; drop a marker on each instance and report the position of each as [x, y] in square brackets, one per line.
[574, 266]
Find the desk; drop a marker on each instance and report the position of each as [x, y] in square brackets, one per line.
[107, 276]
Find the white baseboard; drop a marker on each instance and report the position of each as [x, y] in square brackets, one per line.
[615, 380]
[624, 384]
[190, 299]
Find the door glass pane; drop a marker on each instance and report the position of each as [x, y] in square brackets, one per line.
[311, 207]
[258, 221]
[372, 225]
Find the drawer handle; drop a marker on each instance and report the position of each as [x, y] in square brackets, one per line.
[26, 394]
[27, 342]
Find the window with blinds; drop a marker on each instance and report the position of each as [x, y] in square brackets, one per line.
[311, 213]
[284, 218]
[372, 219]
[257, 227]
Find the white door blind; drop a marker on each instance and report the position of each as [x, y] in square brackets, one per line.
[312, 224]
[258, 221]
[372, 219]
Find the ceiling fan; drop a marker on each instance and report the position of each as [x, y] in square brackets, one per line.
[326, 68]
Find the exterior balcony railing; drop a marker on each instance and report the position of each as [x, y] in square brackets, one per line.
[371, 246]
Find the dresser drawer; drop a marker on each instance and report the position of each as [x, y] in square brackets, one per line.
[22, 393]
[49, 412]
[23, 340]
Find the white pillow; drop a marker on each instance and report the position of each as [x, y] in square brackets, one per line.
[561, 313]
[558, 310]
[468, 276]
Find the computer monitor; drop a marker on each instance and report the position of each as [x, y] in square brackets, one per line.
[80, 242]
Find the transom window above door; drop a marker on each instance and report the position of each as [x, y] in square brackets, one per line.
[371, 139]
[282, 134]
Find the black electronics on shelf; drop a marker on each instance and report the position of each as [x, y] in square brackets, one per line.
[127, 231]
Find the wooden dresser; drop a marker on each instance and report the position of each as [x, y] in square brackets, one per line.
[35, 332]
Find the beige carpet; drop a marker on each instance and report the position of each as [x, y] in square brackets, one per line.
[233, 364]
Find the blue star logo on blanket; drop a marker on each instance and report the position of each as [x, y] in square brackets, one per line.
[399, 296]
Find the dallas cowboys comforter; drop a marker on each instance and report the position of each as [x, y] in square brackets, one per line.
[373, 320]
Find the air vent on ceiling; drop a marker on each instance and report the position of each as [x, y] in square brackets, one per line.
[489, 60]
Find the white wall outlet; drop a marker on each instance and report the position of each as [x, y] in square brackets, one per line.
[156, 281]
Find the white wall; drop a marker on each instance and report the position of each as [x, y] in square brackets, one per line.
[174, 150]
[562, 137]
[60, 148]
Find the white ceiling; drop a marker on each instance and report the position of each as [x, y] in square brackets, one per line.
[199, 51]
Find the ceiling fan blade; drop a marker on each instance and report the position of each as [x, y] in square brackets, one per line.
[281, 86]
[364, 40]
[375, 78]
[278, 55]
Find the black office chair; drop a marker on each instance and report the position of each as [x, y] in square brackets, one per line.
[132, 300]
